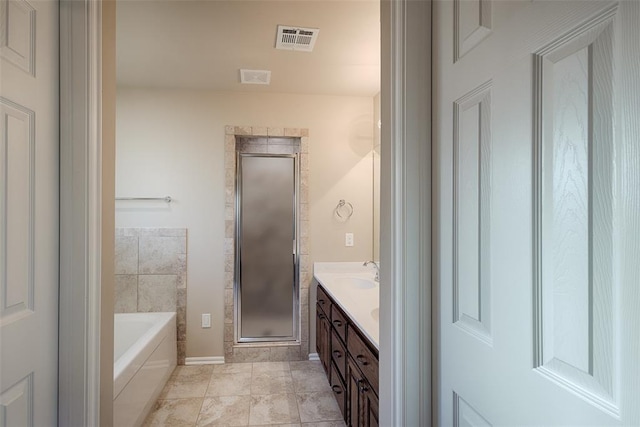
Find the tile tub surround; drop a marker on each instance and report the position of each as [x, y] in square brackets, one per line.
[273, 140]
[151, 274]
[246, 394]
[357, 303]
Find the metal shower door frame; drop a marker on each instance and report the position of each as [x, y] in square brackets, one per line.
[237, 279]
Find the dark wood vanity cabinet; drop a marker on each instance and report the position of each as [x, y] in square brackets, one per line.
[350, 361]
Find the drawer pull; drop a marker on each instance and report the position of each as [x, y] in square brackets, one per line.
[337, 322]
[321, 301]
[362, 360]
[321, 316]
[336, 389]
[337, 354]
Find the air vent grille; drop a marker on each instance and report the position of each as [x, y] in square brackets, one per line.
[294, 38]
[255, 77]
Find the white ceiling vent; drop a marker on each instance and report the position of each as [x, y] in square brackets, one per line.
[294, 38]
[255, 77]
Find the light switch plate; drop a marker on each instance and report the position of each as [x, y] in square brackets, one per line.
[348, 239]
[206, 320]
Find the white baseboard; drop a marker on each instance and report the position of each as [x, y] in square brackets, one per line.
[314, 356]
[212, 360]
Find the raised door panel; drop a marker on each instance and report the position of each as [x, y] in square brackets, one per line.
[471, 213]
[472, 24]
[17, 167]
[16, 404]
[323, 340]
[575, 341]
[18, 34]
[370, 407]
[339, 390]
[464, 415]
[354, 380]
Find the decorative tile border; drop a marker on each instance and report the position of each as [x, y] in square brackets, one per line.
[261, 352]
[151, 275]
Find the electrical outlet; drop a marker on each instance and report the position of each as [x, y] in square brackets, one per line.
[348, 239]
[206, 320]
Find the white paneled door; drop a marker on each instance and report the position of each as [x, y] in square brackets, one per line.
[537, 198]
[28, 212]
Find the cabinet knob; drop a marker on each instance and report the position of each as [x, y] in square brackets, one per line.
[337, 353]
[362, 360]
[336, 389]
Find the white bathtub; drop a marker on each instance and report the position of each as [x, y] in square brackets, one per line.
[144, 357]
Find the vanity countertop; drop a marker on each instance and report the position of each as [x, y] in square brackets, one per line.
[352, 286]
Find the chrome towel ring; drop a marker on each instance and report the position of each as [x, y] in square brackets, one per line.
[343, 210]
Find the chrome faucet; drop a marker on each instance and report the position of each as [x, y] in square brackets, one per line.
[377, 278]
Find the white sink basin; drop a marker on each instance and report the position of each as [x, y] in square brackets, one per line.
[375, 313]
[356, 282]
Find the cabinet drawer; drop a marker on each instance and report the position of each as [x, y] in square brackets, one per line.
[363, 357]
[323, 301]
[339, 322]
[338, 388]
[338, 354]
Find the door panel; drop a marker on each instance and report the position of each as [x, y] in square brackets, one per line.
[535, 122]
[28, 212]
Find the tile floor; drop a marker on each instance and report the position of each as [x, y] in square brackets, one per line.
[247, 394]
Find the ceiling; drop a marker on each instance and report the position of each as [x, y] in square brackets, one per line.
[203, 44]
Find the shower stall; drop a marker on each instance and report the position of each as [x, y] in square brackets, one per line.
[266, 288]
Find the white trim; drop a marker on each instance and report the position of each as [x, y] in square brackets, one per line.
[314, 357]
[80, 212]
[405, 214]
[210, 360]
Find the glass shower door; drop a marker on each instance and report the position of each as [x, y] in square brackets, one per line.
[266, 248]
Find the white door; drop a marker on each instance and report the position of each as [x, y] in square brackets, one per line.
[537, 195]
[28, 212]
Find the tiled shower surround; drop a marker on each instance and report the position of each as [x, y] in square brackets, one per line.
[275, 141]
[151, 275]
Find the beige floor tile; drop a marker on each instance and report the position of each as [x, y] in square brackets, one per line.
[306, 365]
[225, 411]
[340, 423]
[273, 409]
[185, 385]
[233, 368]
[192, 372]
[318, 406]
[234, 384]
[174, 413]
[275, 382]
[261, 367]
[308, 381]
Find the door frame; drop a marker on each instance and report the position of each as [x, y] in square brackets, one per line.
[87, 199]
[405, 214]
[87, 35]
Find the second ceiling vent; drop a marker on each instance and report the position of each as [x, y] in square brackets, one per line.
[295, 38]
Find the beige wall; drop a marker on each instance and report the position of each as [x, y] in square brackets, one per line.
[376, 177]
[171, 142]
